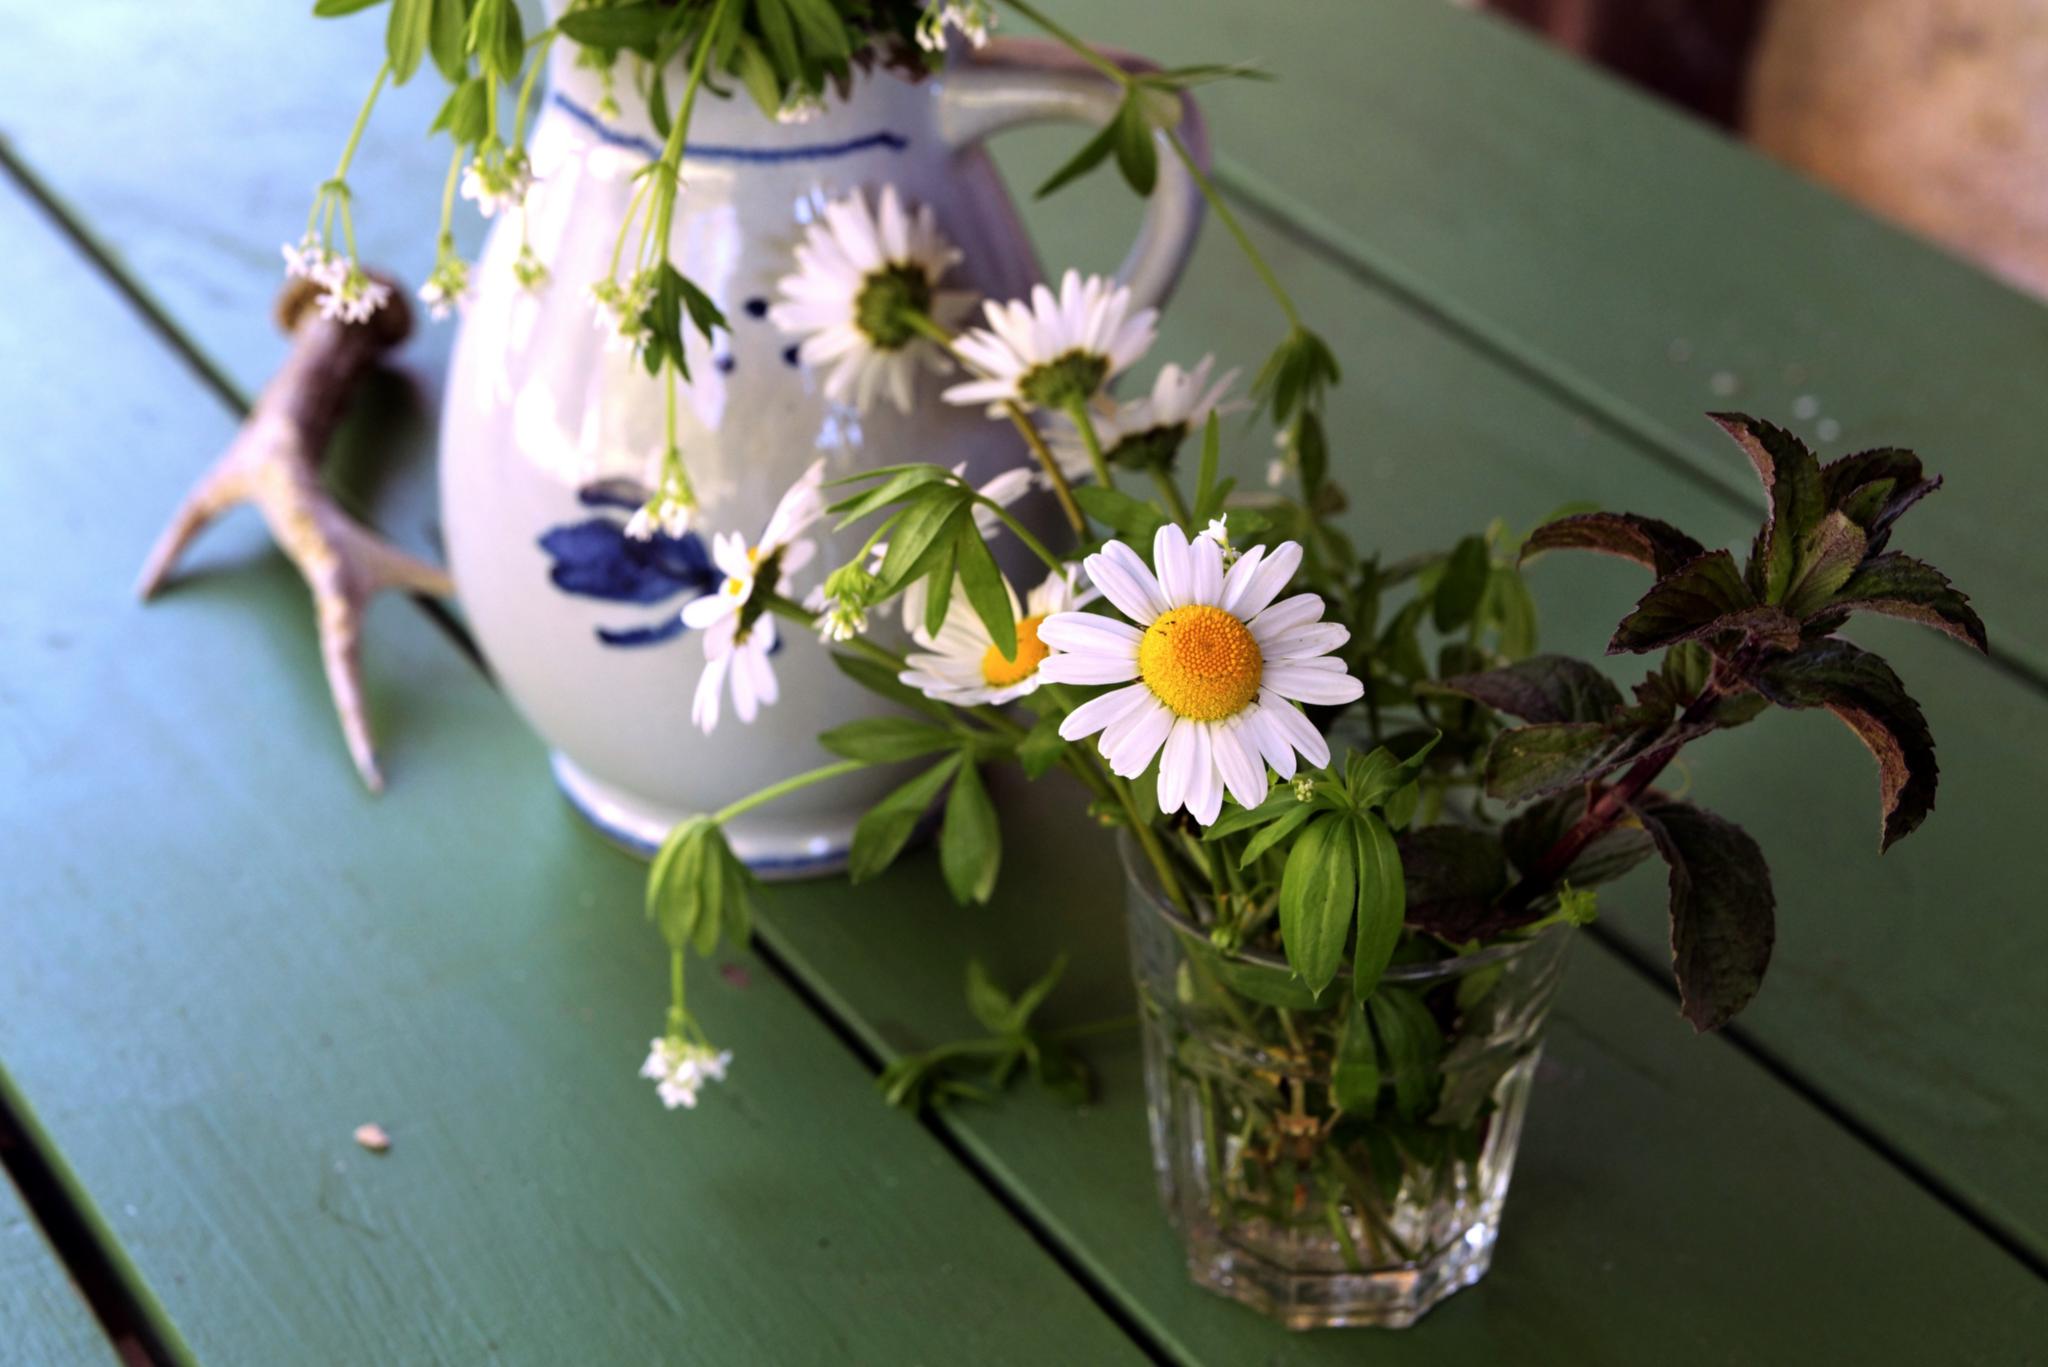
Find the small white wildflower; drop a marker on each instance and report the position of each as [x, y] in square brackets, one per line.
[447, 287]
[680, 1069]
[801, 107]
[973, 18]
[621, 310]
[309, 259]
[529, 270]
[498, 181]
[353, 296]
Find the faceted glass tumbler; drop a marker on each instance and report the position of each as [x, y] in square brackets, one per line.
[1316, 1215]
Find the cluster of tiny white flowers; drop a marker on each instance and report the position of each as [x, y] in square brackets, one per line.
[497, 183]
[529, 270]
[680, 1069]
[800, 107]
[839, 621]
[348, 293]
[973, 18]
[447, 287]
[665, 513]
[621, 310]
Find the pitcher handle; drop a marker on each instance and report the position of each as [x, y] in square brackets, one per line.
[1016, 81]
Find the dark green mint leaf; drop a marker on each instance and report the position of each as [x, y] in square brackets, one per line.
[1723, 912]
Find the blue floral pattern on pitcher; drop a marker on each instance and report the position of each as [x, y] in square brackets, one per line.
[595, 558]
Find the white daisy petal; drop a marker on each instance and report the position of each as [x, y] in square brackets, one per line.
[1270, 734]
[1127, 582]
[1317, 638]
[1296, 728]
[1327, 688]
[1137, 736]
[1088, 669]
[1099, 712]
[1091, 633]
[1176, 571]
[1177, 765]
[1237, 759]
[1205, 784]
[1267, 581]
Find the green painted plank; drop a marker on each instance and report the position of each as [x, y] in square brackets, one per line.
[1635, 258]
[1434, 437]
[1676, 1204]
[44, 1322]
[222, 956]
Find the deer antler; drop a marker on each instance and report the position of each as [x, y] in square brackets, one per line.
[273, 463]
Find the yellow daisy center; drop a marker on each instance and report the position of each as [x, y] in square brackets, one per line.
[1201, 662]
[1001, 671]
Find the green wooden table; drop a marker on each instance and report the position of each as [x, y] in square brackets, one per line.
[218, 956]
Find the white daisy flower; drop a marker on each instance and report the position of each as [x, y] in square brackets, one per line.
[860, 275]
[1055, 350]
[1213, 668]
[1148, 431]
[973, 18]
[739, 635]
[962, 664]
[679, 1069]
[498, 182]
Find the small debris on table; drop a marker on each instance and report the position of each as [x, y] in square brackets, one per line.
[373, 1138]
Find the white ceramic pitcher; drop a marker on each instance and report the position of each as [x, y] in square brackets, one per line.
[549, 440]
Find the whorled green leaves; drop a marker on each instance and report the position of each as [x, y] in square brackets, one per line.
[698, 891]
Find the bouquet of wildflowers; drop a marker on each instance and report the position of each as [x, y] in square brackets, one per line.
[1334, 771]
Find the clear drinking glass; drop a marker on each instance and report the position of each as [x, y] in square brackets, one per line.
[1312, 1214]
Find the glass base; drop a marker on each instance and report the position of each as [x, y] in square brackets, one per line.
[1386, 1298]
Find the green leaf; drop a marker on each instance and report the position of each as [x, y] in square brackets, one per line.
[1543, 688]
[447, 39]
[335, 9]
[1208, 497]
[1791, 479]
[1826, 560]
[1656, 546]
[1381, 901]
[1463, 584]
[466, 112]
[1451, 876]
[985, 589]
[1137, 156]
[405, 37]
[1276, 830]
[500, 38]
[1032, 997]
[883, 683]
[882, 740]
[881, 834]
[1509, 603]
[1413, 1045]
[1722, 910]
[757, 74]
[1530, 761]
[1900, 586]
[824, 32]
[1697, 598]
[697, 889]
[1318, 896]
[895, 488]
[927, 522]
[1040, 750]
[1355, 1073]
[1133, 519]
[971, 841]
[989, 1003]
[1092, 154]
[1278, 801]
[639, 26]
[938, 566]
[1862, 690]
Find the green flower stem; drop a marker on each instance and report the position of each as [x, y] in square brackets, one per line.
[672, 150]
[1031, 543]
[1084, 422]
[1047, 462]
[539, 48]
[446, 241]
[787, 786]
[1080, 48]
[677, 1013]
[1229, 220]
[1061, 490]
[355, 134]
[1170, 492]
[1148, 840]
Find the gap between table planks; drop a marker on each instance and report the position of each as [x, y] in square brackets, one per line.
[222, 956]
[44, 1321]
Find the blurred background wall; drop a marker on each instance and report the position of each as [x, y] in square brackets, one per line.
[1933, 113]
